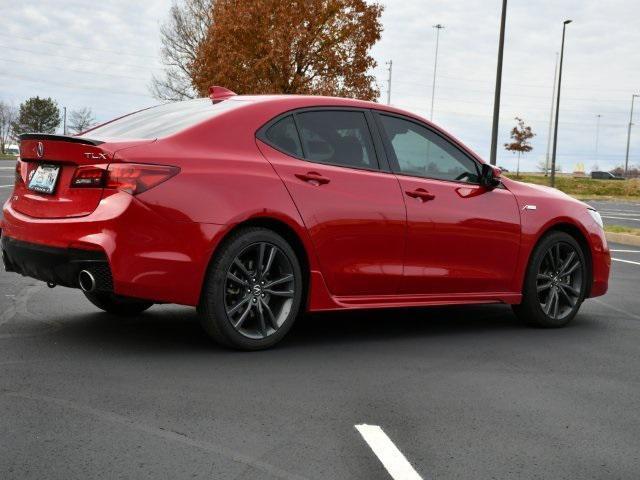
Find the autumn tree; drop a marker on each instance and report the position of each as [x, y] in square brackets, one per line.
[319, 47]
[7, 117]
[520, 136]
[80, 120]
[36, 114]
[181, 36]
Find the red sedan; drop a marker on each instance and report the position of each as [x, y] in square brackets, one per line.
[255, 209]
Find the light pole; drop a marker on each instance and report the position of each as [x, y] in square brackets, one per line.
[555, 131]
[598, 117]
[626, 158]
[438, 27]
[390, 63]
[553, 98]
[496, 101]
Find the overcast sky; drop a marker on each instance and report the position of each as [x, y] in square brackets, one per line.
[102, 55]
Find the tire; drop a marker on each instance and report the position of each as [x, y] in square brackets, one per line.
[253, 291]
[117, 305]
[556, 282]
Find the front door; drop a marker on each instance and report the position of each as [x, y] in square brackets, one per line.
[355, 213]
[462, 238]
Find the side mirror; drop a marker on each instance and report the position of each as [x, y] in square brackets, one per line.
[490, 176]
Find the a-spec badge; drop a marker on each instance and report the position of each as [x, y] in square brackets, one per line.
[95, 156]
[40, 150]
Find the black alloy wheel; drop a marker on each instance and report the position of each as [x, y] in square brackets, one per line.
[253, 291]
[556, 282]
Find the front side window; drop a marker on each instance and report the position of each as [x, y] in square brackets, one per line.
[337, 138]
[423, 153]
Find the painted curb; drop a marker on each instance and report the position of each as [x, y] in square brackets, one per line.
[623, 238]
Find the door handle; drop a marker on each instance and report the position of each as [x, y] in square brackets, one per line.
[313, 177]
[421, 194]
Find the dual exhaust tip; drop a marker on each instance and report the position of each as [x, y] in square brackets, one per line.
[87, 281]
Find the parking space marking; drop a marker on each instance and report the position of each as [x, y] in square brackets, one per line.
[625, 261]
[625, 251]
[393, 460]
[5, 186]
[622, 218]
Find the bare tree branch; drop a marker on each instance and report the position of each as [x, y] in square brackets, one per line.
[181, 36]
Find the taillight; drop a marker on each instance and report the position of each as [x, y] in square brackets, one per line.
[132, 178]
[19, 177]
[90, 176]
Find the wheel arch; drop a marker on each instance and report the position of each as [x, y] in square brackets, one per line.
[282, 228]
[578, 235]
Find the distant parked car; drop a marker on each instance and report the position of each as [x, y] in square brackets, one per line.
[605, 176]
[12, 150]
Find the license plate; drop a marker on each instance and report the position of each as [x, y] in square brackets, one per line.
[44, 179]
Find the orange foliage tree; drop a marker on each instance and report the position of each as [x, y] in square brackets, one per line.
[318, 47]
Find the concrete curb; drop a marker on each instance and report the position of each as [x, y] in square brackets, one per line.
[623, 238]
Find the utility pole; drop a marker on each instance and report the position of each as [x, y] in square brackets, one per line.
[555, 132]
[553, 99]
[496, 101]
[64, 124]
[438, 27]
[626, 158]
[390, 63]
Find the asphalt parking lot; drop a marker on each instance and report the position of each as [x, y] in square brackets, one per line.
[626, 214]
[462, 393]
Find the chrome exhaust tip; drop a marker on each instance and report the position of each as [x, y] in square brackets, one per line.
[87, 281]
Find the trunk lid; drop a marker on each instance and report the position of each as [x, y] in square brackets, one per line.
[65, 154]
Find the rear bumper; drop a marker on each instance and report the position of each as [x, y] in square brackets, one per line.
[149, 257]
[60, 266]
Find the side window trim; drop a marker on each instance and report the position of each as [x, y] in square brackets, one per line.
[371, 127]
[393, 160]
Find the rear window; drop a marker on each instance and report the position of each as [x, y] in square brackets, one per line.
[162, 120]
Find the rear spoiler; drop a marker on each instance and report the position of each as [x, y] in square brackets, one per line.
[59, 138]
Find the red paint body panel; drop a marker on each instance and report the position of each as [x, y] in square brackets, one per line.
[367, 244]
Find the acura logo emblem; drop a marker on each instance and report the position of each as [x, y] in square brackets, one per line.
[40, 150]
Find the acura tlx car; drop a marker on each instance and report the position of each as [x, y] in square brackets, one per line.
[255, 209]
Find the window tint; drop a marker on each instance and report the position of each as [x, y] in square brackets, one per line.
[338, 138]
[423, 153]
[162, 120]
[284, 136]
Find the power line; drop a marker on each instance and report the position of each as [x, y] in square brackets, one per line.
[57, 67]
[80, 47]
[100, 62]
[73, 86]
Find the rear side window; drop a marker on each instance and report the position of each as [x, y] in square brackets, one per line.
[284, 136]
[337, 138]
[162, 120]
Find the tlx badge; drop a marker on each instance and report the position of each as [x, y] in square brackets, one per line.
[95, 156]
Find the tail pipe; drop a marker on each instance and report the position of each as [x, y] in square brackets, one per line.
[87, 281]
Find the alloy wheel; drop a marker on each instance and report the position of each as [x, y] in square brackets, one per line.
[559, 280]
[259, 290]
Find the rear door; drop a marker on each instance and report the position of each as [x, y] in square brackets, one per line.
[354, 212]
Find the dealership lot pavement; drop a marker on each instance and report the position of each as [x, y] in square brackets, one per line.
[460, 393]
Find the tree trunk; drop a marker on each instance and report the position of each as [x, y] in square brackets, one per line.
[518, 168]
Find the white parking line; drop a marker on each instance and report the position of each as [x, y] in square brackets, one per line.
[5, 186]
[625, 261]
[392, 459]
[622, 218]
[625, 251]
